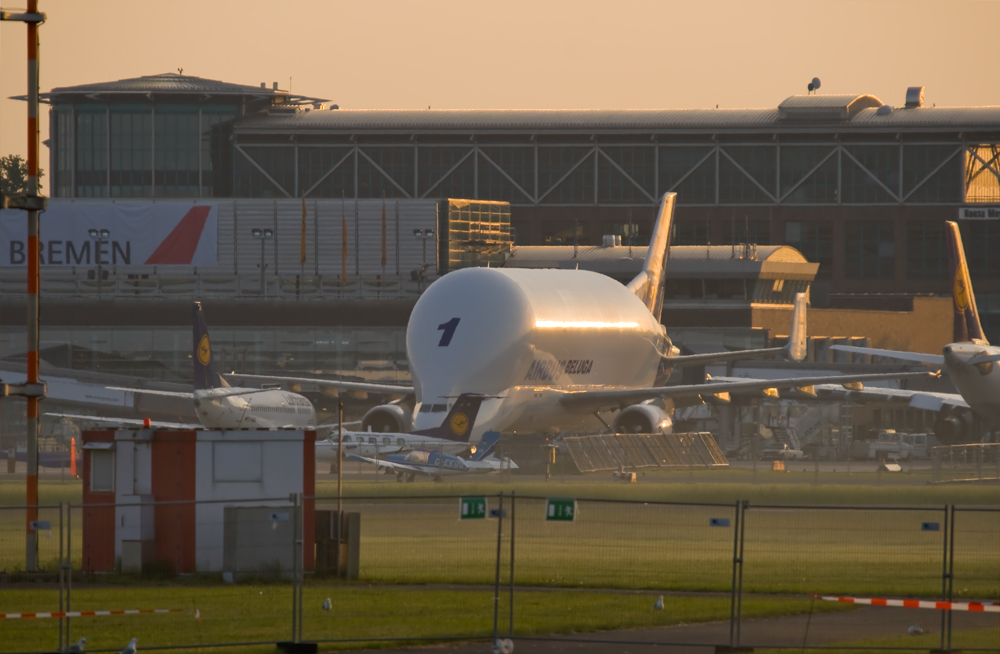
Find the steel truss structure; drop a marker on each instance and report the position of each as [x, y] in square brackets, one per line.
[626, 174]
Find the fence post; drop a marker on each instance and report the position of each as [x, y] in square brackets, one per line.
[61, 577]
[951, 567]
[510, 626]
[295, 568]
[736, 561]
[944, 577]
[300, 550]
[69, 564]
[496, 585]
[744, 505]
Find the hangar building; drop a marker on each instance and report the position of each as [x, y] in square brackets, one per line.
[857, 185]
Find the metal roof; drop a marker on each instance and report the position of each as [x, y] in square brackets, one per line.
[507, 119]
[826, 101]
[173, 84]
[825, 107]
[623, 120]
[694, 261]
[526, 253]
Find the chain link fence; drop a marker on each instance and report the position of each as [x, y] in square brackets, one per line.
[330, 573]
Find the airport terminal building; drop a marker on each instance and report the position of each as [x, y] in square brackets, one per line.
[325, 220]
[856, 184]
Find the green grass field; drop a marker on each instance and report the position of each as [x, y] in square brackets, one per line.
[600, 572]
[262, 614]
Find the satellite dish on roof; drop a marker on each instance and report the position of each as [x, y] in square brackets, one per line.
[815, 84]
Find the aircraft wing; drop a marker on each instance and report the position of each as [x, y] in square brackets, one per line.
[151, 391]
[403, 467]
[794, 350]
[129, 421]
[384, 389]
[929, 359]
[597, 400]
[926, 400]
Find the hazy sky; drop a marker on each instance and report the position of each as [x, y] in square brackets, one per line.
[457, 54]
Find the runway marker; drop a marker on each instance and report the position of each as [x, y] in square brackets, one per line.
[978, 607]
[84, 614]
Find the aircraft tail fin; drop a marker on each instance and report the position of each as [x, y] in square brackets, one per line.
[487, 445]
[205, 376]
[648, 284]
[967, 327]
[457, 425]
[795, 350]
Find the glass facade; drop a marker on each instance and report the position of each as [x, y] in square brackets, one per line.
[814, 239]
[871, 249]
[142, 150]
[473, 233]
[926, 257]
[981, 239]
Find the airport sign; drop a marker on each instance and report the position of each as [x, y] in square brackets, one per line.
[979, 213]
[471, 508]
[560, 509]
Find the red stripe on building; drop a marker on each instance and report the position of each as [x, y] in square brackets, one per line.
[180, 244]
[173, 480]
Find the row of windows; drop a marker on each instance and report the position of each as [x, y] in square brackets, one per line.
[870, 247]
[752, 174]
[129, 151]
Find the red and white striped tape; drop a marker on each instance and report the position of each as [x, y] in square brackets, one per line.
[85, 614]
[982, 607]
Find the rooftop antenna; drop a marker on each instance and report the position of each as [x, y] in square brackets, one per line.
[813, 86]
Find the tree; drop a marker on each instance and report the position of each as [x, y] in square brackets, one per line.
[14, 175]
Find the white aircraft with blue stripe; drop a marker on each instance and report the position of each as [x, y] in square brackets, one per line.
[438, 465]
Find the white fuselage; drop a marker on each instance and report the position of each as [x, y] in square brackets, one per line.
[266, 409]
[979, 384]
[376, 444]
[526, 337]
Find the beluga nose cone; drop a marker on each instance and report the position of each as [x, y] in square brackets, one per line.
[468, 333]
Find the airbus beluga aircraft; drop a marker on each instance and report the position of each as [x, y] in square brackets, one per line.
[971, 362]
[555, 348]
[220, 406]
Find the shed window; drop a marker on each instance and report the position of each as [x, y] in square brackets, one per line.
[102, 471]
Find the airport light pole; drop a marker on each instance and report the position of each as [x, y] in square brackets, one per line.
[262, 235]
[32, 389]
[423, 235]
[99, 237]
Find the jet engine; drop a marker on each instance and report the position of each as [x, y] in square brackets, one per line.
[387, 418]
[954, 429]
[642, 419]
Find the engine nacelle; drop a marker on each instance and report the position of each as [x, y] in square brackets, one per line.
[954, 429]
[387, 418]
[642, 419]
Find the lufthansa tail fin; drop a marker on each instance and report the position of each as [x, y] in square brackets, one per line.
[457, 425]
[204, 370]
[648, 284]
[967, 327]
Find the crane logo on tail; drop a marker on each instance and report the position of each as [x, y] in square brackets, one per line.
[459, 423]
[204, 351]
[960, 291]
